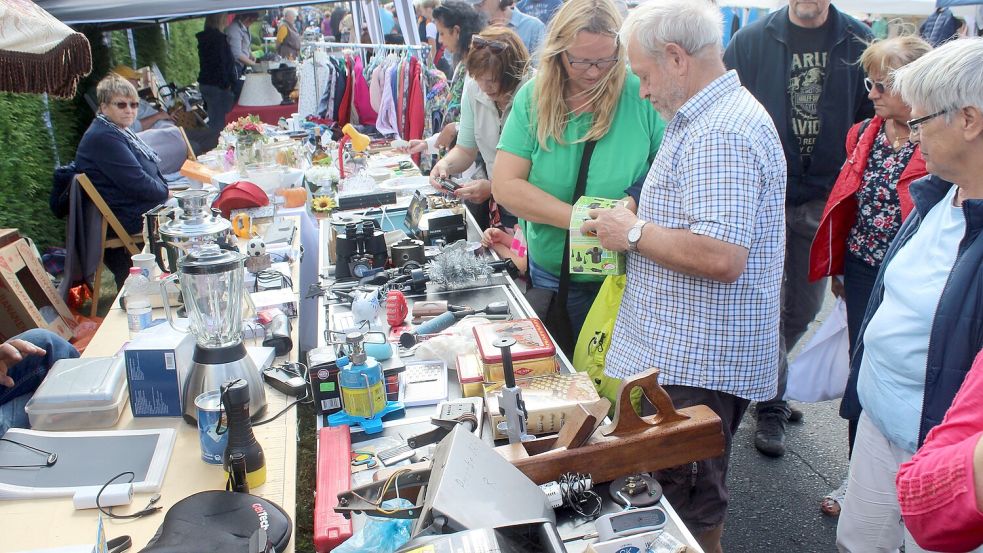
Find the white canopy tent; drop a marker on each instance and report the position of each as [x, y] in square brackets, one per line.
[78, 12]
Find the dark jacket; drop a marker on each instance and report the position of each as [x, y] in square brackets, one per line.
[759, 54]
[217, 68]
[130, 182]
[957, 328]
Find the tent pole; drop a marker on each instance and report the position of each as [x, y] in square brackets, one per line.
[133, 47]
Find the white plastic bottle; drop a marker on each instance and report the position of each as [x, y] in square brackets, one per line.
[137, 301]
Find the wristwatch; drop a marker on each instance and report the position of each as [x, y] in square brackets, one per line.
[635, 234]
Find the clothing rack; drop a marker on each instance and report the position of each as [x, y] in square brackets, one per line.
[358, 46]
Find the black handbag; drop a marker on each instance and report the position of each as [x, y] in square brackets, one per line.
[550, 306]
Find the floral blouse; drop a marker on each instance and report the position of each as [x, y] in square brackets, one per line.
[878, 206]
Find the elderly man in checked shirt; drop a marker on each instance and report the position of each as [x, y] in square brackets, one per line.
[707, 246]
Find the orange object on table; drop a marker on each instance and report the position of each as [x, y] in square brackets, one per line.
[293, 197]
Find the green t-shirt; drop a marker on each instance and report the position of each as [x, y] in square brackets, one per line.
[620, 158]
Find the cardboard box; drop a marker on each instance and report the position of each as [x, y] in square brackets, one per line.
[549, 400]
[157, 362]
[586, 254]
[28, 299]
[470, 376]
[283, 299]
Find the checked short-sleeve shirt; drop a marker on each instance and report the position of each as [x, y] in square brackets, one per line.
[720, 172]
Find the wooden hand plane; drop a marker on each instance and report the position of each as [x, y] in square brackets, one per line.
[628, 445]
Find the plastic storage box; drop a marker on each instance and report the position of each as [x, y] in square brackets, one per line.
[79, 394]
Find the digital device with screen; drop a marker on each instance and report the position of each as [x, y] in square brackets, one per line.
[630, 522]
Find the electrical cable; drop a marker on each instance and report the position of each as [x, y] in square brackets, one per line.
[393, 479]
[578, 495]
[150, 509]
[308, 394]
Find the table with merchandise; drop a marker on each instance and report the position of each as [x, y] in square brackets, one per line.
[40, 521]
[412, 400]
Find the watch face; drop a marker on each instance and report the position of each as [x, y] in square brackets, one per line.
[634, 233]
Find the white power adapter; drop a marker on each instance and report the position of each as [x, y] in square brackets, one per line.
[113, 495]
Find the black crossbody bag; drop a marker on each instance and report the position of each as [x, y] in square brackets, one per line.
[550, 306]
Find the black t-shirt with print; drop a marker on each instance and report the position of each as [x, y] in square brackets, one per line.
[805, 85]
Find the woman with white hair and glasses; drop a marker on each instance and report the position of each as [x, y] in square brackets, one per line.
[867, 204]
[583, 93]
[924, 323]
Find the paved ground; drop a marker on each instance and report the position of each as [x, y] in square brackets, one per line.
[775, 502]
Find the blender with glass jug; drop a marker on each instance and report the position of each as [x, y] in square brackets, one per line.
[211, 281]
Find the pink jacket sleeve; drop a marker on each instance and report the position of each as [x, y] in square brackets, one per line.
[936, 489]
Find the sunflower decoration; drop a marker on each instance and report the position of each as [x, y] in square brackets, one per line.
[322, 204]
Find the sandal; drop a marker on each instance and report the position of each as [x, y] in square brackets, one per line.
[832, 502]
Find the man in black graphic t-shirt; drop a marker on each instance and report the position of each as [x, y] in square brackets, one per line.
[801, 63]
[805, 84]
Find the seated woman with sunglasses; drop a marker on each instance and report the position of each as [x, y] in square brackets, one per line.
[121, 166]
[582, 92]
[497, 65]
[868, 203]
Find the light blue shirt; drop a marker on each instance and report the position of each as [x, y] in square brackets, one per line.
[530, 30]
[719, 173]
[387, 20]
[891, 384]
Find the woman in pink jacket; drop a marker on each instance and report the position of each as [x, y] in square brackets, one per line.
[941, 489]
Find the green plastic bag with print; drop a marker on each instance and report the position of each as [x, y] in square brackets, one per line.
[590, 353]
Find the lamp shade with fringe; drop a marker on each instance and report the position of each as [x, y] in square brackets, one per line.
[38, 53]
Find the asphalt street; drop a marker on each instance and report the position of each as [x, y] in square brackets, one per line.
[775, 502]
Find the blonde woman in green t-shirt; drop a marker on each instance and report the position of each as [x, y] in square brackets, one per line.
[582, 92]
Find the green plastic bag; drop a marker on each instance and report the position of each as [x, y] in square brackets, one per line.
[590, 353]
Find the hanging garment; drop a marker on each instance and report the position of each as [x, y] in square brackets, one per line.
[375, 88]
[386, 122]
[360, 93]
[344, 110]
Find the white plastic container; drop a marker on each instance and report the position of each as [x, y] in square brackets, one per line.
[80, 394]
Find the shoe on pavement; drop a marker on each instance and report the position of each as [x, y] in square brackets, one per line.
[795, 414]
[832, 502]
[769, 437]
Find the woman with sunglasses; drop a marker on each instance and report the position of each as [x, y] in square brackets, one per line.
[583, 91]
[868, 204]
[497, 65]
[121, 166]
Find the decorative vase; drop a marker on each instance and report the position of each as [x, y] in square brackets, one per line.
[248, 152]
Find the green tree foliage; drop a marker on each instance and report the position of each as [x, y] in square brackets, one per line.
[27, 161]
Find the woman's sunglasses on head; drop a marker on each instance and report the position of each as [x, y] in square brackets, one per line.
[493, 45]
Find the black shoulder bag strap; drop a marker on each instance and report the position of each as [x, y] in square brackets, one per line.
[564, 289]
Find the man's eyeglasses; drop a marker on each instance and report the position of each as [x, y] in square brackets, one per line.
[915, 125]
[584, 65]
[879, 85]
[122, 105]
[493, 45]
